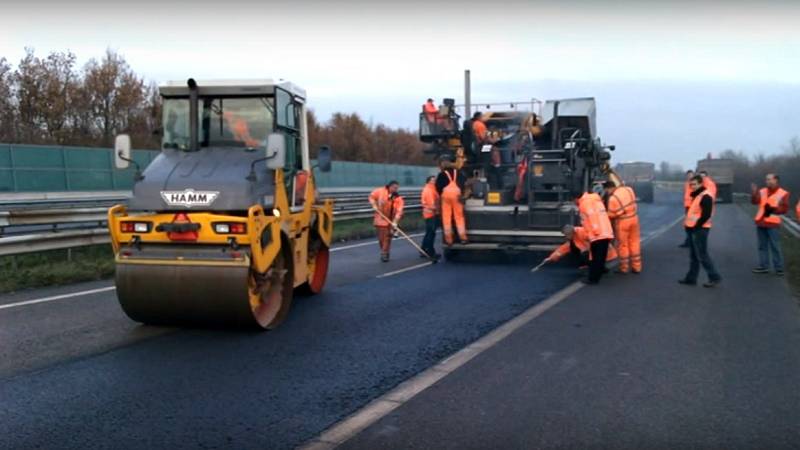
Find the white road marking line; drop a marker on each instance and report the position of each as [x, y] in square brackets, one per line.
[111, 288]
[340, 432]
[58, 297]
[363, 244]
[407, 269]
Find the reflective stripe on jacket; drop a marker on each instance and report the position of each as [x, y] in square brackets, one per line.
[696, 211]
[594, 217]
[622, 203]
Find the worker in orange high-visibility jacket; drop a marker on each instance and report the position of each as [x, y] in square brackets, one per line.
[576, 243]
[773, 202]
[698, 223]
[388, 201]
[450, 185]
[687, 202]
[624, 215]
[797, 210]
[430, 213]
[599, 231]
[431, 111]
[709, 184]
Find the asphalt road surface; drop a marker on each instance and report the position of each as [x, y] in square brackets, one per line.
[76, 373]
[634, 363]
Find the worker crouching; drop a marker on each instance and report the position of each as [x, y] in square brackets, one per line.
[577, 245]
[388, 206]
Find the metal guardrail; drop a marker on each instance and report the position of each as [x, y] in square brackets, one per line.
[47, 221]
[792, 227]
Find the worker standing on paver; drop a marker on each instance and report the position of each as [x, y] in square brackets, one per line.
[624, 215]
[698, 224]
[709, 184]
[687, 202]
[576, 243]
[388, 206]
[430, 212]
[773, 202]
[450, 185]
[599, 231]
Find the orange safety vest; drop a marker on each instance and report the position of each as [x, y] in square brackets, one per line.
[773, 200]
[711, 187]
[581, 240]
[392, 209]
[431, 111]
[479, 130]
[797, 210]
[687, 195]
[594, 217]
[430, 201]
[622, 203]
[695, 211]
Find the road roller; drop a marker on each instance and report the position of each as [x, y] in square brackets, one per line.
[224, 226]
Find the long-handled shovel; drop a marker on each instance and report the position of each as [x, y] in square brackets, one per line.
[404, 235]
[541, 264]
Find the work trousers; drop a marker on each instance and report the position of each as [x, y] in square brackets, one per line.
[453, 210]
[384, 239]
[597, 266]
[430, 235]
[629, 245]
[769, 241]
[700, 257]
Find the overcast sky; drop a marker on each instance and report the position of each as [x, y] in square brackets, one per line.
[673, 80]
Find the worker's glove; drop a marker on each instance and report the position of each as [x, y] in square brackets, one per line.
[768, 210]
[394, 226]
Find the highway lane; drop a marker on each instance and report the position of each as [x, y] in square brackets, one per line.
[634, 363]
[106, 382]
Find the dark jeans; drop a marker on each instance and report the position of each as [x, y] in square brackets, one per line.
[700, 257]
[597, 266]
[769, 241]
[430, 235]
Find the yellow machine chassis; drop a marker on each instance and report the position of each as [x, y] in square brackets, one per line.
[290, 235]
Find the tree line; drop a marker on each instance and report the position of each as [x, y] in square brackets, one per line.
[51, 100]
[785, 164]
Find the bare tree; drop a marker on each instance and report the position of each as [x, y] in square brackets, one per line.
[7, 107]
[116, 95]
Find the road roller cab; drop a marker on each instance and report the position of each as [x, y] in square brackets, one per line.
[223, 226]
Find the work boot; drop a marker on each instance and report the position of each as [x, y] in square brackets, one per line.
[711, 283]
[384, 257]
[684, 245]
[687, 282]
[620, 271]
[760, 270]
[779, 273]
[588, 281]
[636, 272]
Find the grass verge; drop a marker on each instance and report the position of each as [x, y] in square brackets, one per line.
[59, 267]
[56, 267]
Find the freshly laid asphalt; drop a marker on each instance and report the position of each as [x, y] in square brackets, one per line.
[76, 373]
[635, 362]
